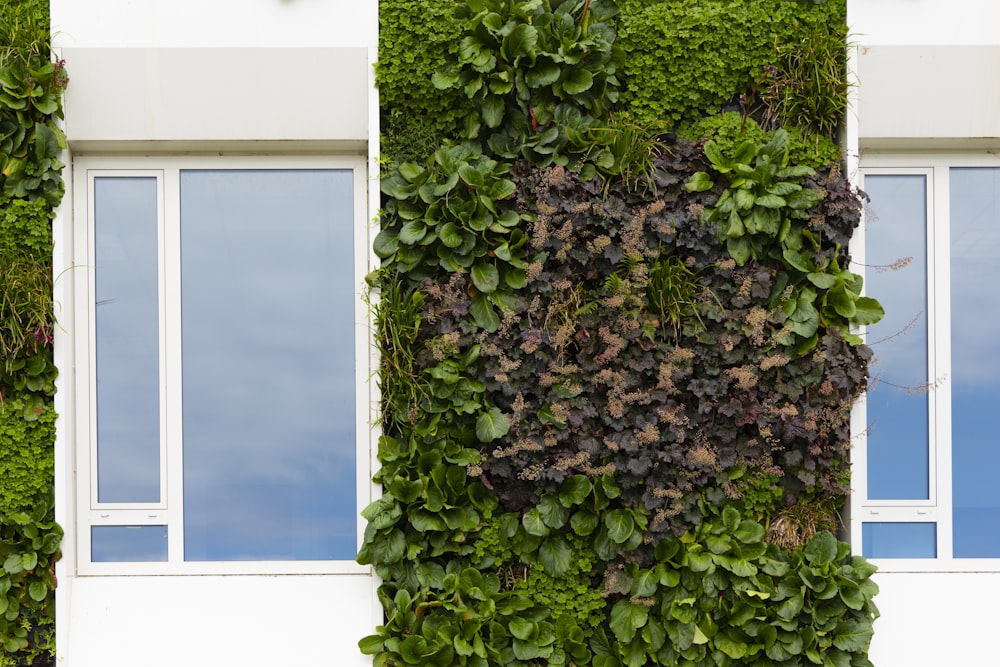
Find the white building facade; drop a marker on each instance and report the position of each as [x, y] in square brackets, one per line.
[211, 251]
[924, 132]
[246, 111]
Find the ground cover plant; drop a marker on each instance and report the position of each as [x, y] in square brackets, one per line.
[617, 364]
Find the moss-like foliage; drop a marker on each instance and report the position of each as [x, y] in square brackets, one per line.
[416, 38]
[25, 457]
[685, 60]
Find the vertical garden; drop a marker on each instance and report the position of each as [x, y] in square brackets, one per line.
[616, 315]
[31, 85]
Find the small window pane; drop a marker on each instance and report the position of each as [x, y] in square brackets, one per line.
[975, 364]
[127, 331]
[128, 544]
[899, 540]
[898, 443]
[268, 296]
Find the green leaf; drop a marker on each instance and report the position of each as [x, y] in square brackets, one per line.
[821, 549]
[450, 234]
[412, 232]
[626, 618]
[483, 313]
[699, 182]
[822, 280]
[386, 243]
[574, 490]
[492, 110]
[578, 81]
[620, 525]
[770, 201]
[584, 522]
[854, 636]
[645, 583]
[491, 425]
[485, 277]
[555, 555]
[731, 647]
[521, 41]
[533, 523]
[444, 80]
[867, 311]
[544, 73]
[38, 590]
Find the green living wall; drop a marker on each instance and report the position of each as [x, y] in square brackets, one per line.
[31, 85]
[615, 312]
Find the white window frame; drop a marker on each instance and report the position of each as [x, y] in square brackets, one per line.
[935, 166]
[169, 512]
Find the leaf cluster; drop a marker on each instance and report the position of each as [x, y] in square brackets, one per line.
[446, 217]
[535, 77]
[29, 548]
[765, 213]
[729, 129]
[720, 595]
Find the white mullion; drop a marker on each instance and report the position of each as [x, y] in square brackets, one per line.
[939, 348]
[85, 344]
[172, 386]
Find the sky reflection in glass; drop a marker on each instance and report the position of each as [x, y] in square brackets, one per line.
[127, 340]
[268, 294]
[128, 544]
[899, 540]
[898, 442]
[975, 376]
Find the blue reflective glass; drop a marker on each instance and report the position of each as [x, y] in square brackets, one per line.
[268, 296]
[127, 340]
[128, 544]
[975, 365]
[898, 442]
[899, 540]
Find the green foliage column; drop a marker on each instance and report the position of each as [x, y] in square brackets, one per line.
[31, 86]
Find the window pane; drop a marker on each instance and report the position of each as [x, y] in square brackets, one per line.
[268, 294]
[127, 332]
[898, 442]
[128, 544]
[899, 540]
[975, 365]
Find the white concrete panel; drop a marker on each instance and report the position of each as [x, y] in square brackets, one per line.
[924, 21]
[235, 621]
[931, 620]
[214, 23]
[217, 95]
[927, 92]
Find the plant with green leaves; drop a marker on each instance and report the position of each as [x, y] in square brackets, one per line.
[764, 215]
[532, 73]
[29, 548]
[721, 595]
[446, 216]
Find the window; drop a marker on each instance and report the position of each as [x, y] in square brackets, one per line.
[222, 410]
[926, 471]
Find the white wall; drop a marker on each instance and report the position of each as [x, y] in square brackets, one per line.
[924, 72]
[214, 23]
[926, 79]
[260, 76]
